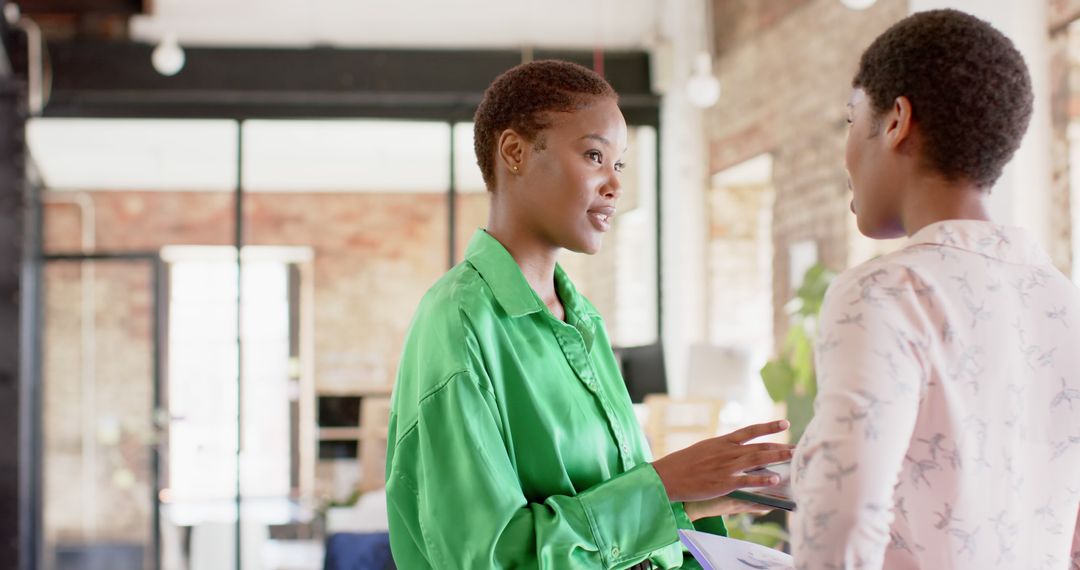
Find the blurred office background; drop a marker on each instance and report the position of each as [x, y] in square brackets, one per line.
[219, 216]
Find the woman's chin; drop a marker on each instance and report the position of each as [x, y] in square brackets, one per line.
[589, 246]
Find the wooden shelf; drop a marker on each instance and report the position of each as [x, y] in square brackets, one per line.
[339, 433]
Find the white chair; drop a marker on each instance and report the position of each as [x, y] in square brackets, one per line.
[673, 424]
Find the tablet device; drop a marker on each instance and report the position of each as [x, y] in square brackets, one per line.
[778, 496]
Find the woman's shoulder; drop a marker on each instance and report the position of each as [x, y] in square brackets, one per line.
[447, 318]
[893, 270]
[442, 336]
[460, 291]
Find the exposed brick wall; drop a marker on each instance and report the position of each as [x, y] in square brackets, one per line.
[1063, 67]
[784, 93]
[1064, 58]
[374, 256]
[472, 213]
[738, 297]
[736, 21]
[122, 368]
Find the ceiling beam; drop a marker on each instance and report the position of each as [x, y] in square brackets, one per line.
[82, 7]
[116, 79]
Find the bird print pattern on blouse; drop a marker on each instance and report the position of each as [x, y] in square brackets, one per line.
[947, 423]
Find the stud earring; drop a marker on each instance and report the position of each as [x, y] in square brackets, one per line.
[515, 168]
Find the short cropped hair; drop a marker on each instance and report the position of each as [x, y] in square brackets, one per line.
[523, 98]
[969, 89]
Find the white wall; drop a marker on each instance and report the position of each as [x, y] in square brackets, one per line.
[684, 160]
[401, 23]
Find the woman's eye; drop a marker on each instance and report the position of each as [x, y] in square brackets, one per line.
[595, 156]
[619, 166]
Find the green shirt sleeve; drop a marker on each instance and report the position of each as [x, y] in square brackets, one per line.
[454, 488]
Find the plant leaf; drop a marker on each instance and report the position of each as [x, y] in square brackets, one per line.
[801, 356]
[800, 410]
[779, 379]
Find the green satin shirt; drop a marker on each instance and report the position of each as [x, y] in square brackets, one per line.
[512, 442]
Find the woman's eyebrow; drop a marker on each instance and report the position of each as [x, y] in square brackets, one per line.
[596, 137]
[601, 139]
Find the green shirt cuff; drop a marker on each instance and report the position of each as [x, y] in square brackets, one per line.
[630, 516]
[682, 520]
[711, 525]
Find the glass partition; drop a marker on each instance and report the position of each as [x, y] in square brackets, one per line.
[196, 403]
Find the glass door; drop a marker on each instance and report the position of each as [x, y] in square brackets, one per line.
[115, 193]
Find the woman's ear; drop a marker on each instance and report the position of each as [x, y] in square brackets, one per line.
[510, 151]
[898, 122]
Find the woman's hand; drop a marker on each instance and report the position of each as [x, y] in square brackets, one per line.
[723, 506]
[716, 466]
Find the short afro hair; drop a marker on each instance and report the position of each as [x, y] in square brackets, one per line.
[522, 99]
[969, 89]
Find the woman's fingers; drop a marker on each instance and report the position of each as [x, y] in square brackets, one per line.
[753, 447]
[735, 506]
[755, 431]
[740, 481]
[717, 466]
[760, 458]
[723, 506]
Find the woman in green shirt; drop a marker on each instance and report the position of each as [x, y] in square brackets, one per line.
[512, 440]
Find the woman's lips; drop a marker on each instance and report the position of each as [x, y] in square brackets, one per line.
[601, 217]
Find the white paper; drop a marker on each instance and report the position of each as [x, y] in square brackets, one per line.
[722, 553]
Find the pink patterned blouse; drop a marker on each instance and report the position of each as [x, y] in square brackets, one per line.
[947, 424]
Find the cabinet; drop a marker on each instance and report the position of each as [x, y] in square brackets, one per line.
[355, 427]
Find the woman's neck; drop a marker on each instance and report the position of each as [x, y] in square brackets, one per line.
[535, 258]
[933, 199]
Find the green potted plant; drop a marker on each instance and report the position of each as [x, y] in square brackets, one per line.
[749, 528]
[790, 377]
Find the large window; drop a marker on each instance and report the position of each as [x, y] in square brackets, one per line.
[188, 393]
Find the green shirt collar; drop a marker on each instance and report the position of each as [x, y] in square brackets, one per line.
[509, 286]
[502, 274]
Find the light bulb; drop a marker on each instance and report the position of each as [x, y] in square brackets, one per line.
[12, 13]
[168, 57]
[858, 4]
[703, 88]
